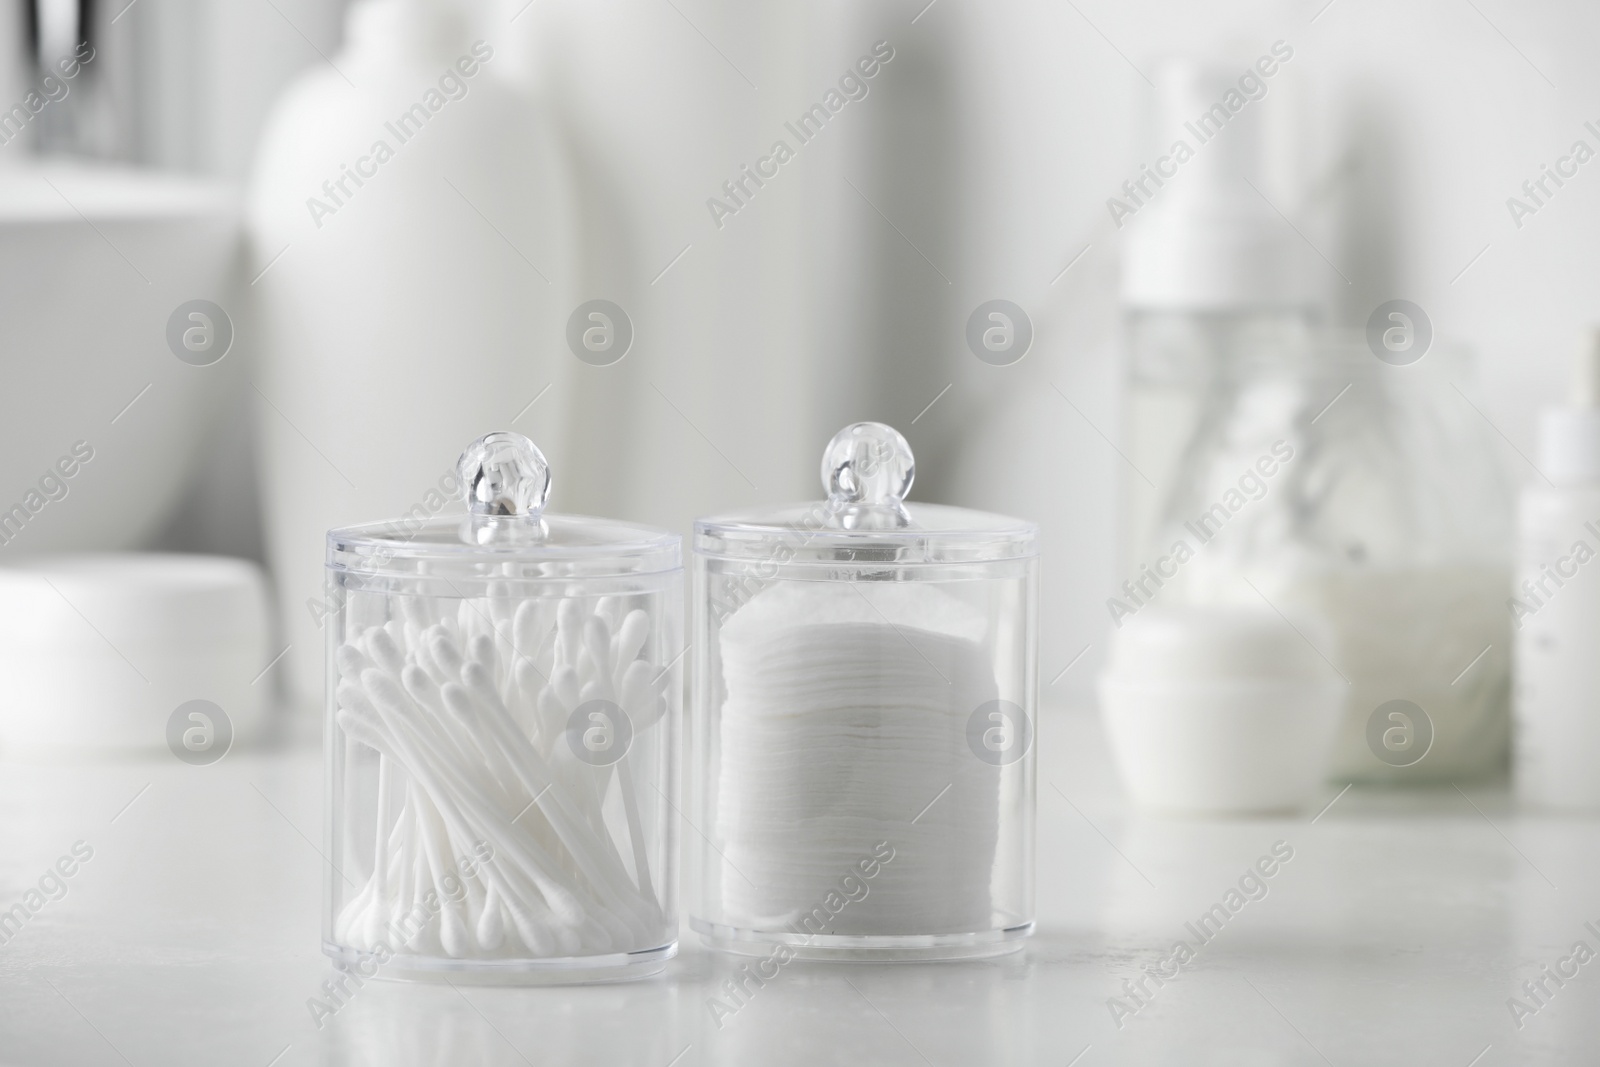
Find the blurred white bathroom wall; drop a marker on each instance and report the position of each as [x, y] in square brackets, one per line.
[977, 167]
[716, 406]
[1417, 122]
[829, 297]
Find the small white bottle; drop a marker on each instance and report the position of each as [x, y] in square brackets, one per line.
[1556, 605]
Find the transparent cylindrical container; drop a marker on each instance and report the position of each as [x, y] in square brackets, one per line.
[503, 695]
[864, 712]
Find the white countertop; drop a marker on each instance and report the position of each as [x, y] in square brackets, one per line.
[1395, 935]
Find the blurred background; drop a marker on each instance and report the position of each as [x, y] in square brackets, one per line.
[181, 162]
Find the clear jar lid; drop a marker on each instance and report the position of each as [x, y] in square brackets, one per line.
[506, 531]
[867, 469]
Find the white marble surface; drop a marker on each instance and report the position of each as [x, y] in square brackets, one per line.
[1395, 935]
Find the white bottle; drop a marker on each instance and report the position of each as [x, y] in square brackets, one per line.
[1213, 280]
[1556, 605]
[406, 217]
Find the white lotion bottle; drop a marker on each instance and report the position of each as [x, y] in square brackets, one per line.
[407, 221]
[1556, 604]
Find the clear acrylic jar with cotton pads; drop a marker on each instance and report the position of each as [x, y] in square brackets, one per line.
[863, 721]
[503, 691]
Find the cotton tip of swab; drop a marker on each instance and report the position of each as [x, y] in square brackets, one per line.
[424, 658]
[386, 693]
[564, 680]
[350, 661]
[525, 628]
[445, 653]
[597, 642]
[457, 701]
[529, 930]
[350, 695]
[479, 679]
[481, 650]
[419, 684]
[385, 651]
[453, 933]
[491, 923]
[546, 656]
[630, 639]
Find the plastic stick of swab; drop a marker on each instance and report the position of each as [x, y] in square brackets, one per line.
[630, 810]
[421, 689]
[459, 801]
[380, 860]
[522, 906]
[452, 923]
[563, 898]
[613, 890]
[608, 877]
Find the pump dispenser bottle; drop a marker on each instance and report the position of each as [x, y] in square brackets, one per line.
[1556, 604]
[1213, 283]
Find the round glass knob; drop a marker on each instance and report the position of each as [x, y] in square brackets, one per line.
[867, 470]
[506, 481]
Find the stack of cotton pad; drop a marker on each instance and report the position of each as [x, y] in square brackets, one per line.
[845, 715]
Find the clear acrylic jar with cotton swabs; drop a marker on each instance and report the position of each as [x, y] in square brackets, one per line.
[503, 698]
[863, 721]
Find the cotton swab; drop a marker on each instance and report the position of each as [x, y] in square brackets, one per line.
[472, 704]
